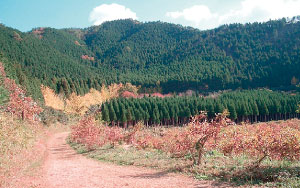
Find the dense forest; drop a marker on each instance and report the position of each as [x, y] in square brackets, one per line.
[158, 56]
[249, 105]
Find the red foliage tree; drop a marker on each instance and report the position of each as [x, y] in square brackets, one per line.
[86, 57]
[19, 105]
[128, 94]
[198, 135]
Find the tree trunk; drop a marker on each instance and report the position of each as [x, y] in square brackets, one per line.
[200, 153]
[23, 115]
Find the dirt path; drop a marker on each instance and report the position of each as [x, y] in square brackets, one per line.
[65, 169]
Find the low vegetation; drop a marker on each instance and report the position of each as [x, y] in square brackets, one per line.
[17, 139]
[19, 125]
[21, 135]
[261, 154]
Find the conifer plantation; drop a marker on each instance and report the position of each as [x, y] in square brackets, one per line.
[252, 106]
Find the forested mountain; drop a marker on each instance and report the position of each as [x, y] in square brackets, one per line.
[161, 56]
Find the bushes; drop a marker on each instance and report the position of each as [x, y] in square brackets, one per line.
[194, 139]
[91, 135]
[178, 141]
[276, 141]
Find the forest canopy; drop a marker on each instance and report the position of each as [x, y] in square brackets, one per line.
[160, 57]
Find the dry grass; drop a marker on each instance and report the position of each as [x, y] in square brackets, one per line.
[22, 149]
[16, 140]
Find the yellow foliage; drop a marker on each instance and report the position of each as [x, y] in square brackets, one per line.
[114, 90]
[80, 104]
[129, 87]
[51, 99]
[77, 104]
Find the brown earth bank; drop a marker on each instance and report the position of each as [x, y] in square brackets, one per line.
[62, 167]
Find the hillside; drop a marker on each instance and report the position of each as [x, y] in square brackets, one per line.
[103, 91]
[158, 56]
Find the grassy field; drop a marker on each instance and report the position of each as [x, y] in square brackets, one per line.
[215, 165]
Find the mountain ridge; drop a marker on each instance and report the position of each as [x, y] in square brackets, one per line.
[156, 55]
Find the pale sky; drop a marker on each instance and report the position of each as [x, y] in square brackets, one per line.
[202, 14]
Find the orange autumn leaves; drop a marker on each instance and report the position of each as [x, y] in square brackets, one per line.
[275, 141]
[272, 140]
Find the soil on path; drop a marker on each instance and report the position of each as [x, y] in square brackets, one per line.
[64, 168]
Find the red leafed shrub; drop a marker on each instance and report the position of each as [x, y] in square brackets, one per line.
[193, 139]
[113, 135]
[196, 137]
[128, 94]
[179, 142]
[19, 105]
[157, 95]
[85, 132]
[294, 123]
[86, 57]
[275, 141]
[147, 139]
[91, 135]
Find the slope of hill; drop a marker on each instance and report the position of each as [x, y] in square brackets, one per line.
[161, 56]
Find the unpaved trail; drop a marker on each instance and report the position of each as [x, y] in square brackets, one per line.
[64, 168]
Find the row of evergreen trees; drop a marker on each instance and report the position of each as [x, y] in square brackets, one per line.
[252, 106]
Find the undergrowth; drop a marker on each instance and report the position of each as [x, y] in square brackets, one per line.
[249, 155]
[16, 139]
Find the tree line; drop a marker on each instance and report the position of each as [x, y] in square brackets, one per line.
[251, 106]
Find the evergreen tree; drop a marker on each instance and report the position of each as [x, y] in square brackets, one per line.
[112, 114]
[105, 113]
[232, 111]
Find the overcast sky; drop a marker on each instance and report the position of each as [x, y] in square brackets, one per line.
[203, 14]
